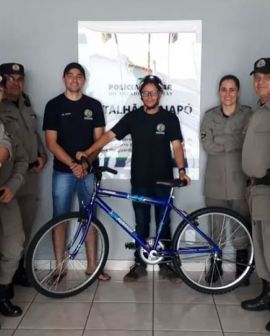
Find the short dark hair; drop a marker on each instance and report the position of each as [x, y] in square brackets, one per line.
[230, 77]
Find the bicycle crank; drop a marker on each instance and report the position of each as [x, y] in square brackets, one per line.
[154, 256]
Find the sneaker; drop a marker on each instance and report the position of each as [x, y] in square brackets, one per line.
[136, 271]
[167, 272]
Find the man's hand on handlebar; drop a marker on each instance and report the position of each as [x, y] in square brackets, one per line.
[81, 166]
[184, 176]
[80, 154]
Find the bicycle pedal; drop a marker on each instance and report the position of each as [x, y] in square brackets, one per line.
[130, 246]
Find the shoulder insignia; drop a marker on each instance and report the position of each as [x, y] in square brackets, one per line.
[213, 109]
[203, 135]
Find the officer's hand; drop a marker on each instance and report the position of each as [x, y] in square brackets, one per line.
[41, 161]
[6, 195]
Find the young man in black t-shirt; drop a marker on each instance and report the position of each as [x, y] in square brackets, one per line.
[72, 122]
[153, 130]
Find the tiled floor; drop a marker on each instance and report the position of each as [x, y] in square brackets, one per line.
[146, 308]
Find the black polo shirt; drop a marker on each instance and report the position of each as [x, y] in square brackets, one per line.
[74, 122]
[151, 136]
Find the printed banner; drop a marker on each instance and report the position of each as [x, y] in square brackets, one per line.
[117, 55]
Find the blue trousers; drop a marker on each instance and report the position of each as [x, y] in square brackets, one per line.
[143, 215]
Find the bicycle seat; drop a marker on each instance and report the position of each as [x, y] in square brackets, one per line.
[176, 183]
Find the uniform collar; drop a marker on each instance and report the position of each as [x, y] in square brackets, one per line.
[267, 104]
[18, 104]
[224, 115]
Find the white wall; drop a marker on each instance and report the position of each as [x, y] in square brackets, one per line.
[43, 36]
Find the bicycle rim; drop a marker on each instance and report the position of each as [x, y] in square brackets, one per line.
[71, 274]
[209, 271]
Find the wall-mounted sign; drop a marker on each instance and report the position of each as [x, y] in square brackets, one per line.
[117, 55]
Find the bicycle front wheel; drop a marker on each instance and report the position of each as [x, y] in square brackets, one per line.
[198, 261]
[59, 263]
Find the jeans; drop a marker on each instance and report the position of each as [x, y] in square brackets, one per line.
[65, 186]
[142, 215]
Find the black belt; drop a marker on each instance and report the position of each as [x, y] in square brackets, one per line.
[265, 180]
[32, 165]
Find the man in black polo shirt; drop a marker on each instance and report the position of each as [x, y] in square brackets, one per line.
[152, 130]
[72, 122]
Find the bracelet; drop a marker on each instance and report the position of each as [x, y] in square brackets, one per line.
[72, 163]
[182, 169]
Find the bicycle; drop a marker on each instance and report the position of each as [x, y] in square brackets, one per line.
[205, 263]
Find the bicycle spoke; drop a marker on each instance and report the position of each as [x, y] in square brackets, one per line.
[212, 272]
[67, 275]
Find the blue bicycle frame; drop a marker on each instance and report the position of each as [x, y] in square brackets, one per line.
[167, 204]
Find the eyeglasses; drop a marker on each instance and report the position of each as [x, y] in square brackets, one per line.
[145, 94]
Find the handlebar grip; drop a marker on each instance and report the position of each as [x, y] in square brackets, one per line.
[85, 159]
[182, 183]
[97, 170]
[109, 170]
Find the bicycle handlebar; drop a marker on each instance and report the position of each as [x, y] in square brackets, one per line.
[100, 169]
[103, 169]
[176, 183]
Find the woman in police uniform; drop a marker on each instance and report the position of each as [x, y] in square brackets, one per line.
[222, 134]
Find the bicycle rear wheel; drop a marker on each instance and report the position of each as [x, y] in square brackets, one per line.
[199, 265]
[70, 275]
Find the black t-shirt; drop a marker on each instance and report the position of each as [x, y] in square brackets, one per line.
[151, 136]
[74, 122]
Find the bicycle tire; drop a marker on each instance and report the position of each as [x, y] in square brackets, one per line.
[211, 273]
[69, 277]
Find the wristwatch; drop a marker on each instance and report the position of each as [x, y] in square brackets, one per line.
[182, 169]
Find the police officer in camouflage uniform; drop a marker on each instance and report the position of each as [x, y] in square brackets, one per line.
[222, 135]
[12, 175]
[5, 144]
[18, 113]
[256, 164]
